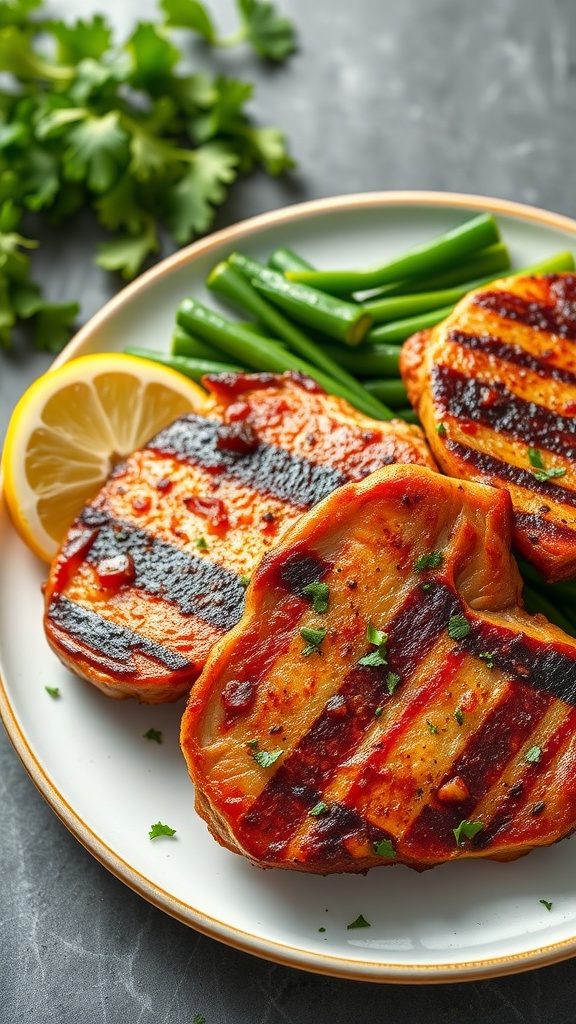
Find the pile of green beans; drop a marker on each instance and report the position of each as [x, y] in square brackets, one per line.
[345, 329]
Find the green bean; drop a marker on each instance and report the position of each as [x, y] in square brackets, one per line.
[345, 321]
[262, 354]
[184, 344]
[368, 360]
[399, 330]
[442, 252]
[232, 285]
[492, 260]
[286, 259]
[393, 392]
[195, 369]
[408, 415]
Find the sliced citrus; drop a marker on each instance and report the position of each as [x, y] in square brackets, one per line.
[72, 426]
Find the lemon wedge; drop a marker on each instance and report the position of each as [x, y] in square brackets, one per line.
[70, 429]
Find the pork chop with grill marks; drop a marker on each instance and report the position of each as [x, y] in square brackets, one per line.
[495, 388]
[385, 699]
[153, 571]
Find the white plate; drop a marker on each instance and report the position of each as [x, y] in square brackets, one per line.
[88, 757]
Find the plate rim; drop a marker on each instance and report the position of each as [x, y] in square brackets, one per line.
[277, 952]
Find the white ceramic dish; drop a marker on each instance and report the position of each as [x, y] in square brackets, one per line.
[88, 757]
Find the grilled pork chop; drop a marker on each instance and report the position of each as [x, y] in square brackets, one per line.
[421, 717]
[154, 569]
[495, 388]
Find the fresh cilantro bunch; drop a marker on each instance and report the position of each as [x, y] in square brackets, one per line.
[85, 121]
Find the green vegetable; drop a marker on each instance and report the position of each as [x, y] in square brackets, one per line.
[385, 848]
[550, 474]
[459, 716]
[53, 691]
[546, 904]
[442, 252]
[467, 830]
[259, 353]
[379, 640]
[535, 458]
[458, 627]
[86, 120]
[286, 259]
[318, 809]
[266, 758]
[533, 755]
[313, 638]
[244, 581]
[433, 729]
[392, 681]
[229, 282]
[493, 260]
[345, 321]
[319, 592]
[360, 922]
[368, 360]
[270, 35]
[392, 392]
[160, 830]
[430, 561]
[201, 544]
[399, 330]
[488, 657]
[195, 369]
[441, 429]
[154, 735]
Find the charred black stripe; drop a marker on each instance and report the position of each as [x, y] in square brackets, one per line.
[540, 316]
[510, 353]
[326, 839]
[497, 469]
[555, 533]
[267, 469]
[494, 406]
[115, 642]
[301, 778]
[197, 585]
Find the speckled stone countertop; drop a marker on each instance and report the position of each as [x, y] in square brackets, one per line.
[419, 94]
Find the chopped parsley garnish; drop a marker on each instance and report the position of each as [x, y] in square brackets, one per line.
[441, 430]
[488, 657]
[379, 639]
[467, 830]
[244, 581]
[154, 735]
[319, 593]
[54, 691]
[430, 561]
[459, 716]
[318, 809]
[201, 544]
[535, 458]
[426, 586]
[392, 681]
[199, 1018]
[385, 848]
[534, 754]
[265, 758]
[313, 638]
[431, 727]
[378, 712]
[546, 903]
[160, 830]
[321, 929]
[360, 922]
[458, 627]
[253, 744]
[548, 474]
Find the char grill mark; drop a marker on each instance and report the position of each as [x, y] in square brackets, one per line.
[558, 318]
[266, 469]
[510, 353]
[495, 406]
[498, 469]
[195, 584]
[117, 644]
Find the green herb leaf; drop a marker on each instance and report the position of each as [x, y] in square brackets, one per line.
[191, 202]
[313, 638]
[441, 429]
[318, 809]
[271, 36]
[160, 830]
[319, 592]
[154, 735]
[392, 681]
[550, 474]
[378, 712]
[199, 1018]
[546, 903]
[433, 729]
[189, 14]
[488, 657]
[429, 561]
[458, 627]
[535, 458]
[380, 656]
[201, 544]
[533, 755]
[459, 716]
[360, 922]
[265, 758]
[467, 830]
[54, 691]
[244, 581]
[385, 848]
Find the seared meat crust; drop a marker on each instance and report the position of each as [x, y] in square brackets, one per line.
[151, 573]
[306, 756]
[495, 388]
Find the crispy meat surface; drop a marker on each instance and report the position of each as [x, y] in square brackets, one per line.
[153, 571]
[495, 388]
[345, 748]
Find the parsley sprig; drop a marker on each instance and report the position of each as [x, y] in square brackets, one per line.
[541, 473]
[90, 121]
[379, 641]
